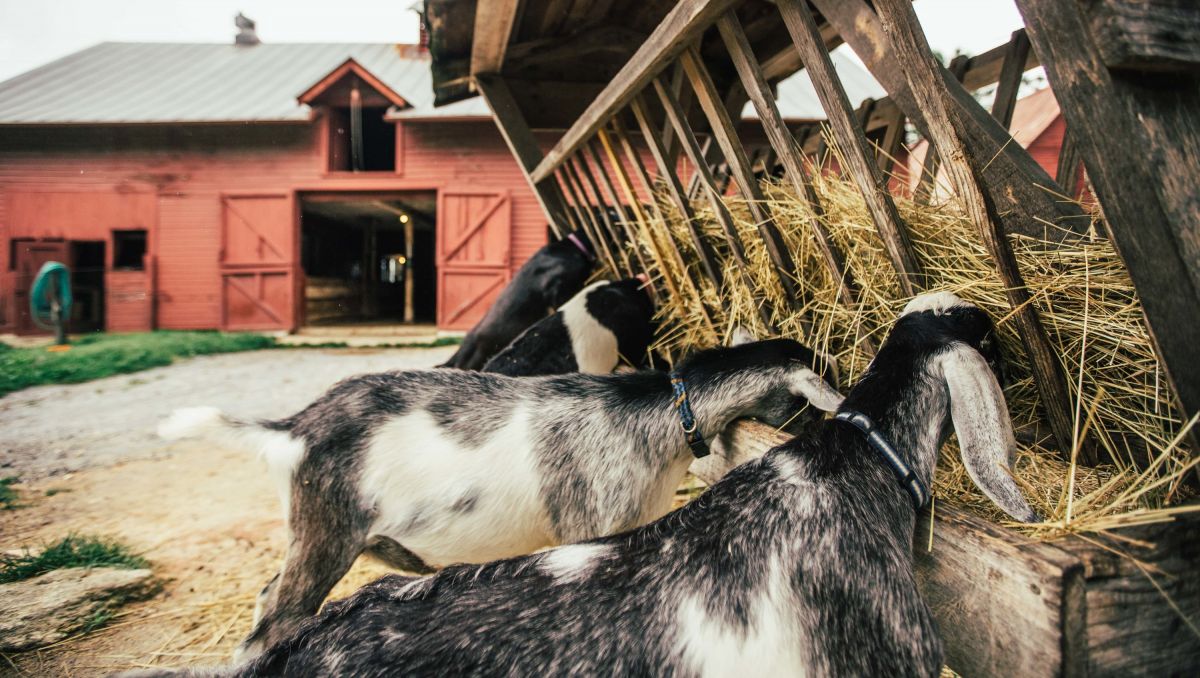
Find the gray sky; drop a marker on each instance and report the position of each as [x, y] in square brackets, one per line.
[35, 32]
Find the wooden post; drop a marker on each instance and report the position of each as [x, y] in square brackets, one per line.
[1024, 194]
[798, 19]
[725, 133]
[409, 269]
[1010, 78]
[1139, 138]
[600, 240]
[582, 221]
[623, 220]
[784, 144]
[522, 144]
[1067, 174]
[606, 217]
[666, 172]
[965, 169]
[724, 218]
[927, 182]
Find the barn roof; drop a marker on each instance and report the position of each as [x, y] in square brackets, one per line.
[172, 82]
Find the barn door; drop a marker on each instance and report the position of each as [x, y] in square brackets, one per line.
[29, 256]
[474, 242]
[258, 262]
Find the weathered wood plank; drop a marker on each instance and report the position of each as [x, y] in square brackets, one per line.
[522, 144]
[597, 215]
[1024, 194]
[628, 227]
[725, 133]
[1151, 197]
[965, 170]
[798, 19]
[606, 213]
[671, 37]
[494, 21]
[1067, 174]
[1146, 35]
[666, 173]
[1010, 78]
[692, 148]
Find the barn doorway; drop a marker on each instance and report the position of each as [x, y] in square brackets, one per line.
[369, 259]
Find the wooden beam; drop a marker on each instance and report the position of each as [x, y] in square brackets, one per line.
[855, 148]
[1067, 174]
[571, 200]
[1010, 78]
[596, 215]
[692, 148]
[725, 133]
[606, 219]
[965, 169]
[785, 146]
[626, 230]
[984, 69]
[1146, 35]
[686, 21]
[494, 22]
[522, 144]
[1026, 197]
[667, 174]
[1140, 143]
[927, 182]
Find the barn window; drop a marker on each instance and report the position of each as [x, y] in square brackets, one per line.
[129, 250]
[361, 140]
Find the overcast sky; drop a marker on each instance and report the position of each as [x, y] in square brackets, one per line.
[35, 32]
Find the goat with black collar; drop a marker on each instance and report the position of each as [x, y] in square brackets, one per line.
[544, 282]
[429, 468]
[799, 563]
[591, 333]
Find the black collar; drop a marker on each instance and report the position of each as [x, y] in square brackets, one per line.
[908, 479]
[574, 240]
[687, 418]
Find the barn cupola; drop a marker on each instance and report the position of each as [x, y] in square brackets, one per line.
[246, 36]
[353, 104]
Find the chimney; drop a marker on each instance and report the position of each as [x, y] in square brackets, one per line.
[246, 35]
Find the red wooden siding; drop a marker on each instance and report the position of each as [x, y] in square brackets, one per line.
[81, 183]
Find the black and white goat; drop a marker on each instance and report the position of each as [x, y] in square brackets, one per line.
[425, 469]
[591, 333]
[544, 282]
[799, 563]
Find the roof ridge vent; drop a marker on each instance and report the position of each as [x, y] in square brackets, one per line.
[246, 35]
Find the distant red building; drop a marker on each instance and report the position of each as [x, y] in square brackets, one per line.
[257, 187]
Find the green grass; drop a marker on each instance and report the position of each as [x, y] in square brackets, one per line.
[102, 355]
[8, 496]
[72, 551]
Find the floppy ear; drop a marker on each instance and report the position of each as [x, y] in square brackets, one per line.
[809, 384]
[985, 433]
[741, 335]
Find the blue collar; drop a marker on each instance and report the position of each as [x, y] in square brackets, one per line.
[691, 429]
[908, 479]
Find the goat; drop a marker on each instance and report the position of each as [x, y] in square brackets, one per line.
[605, 322]
[798, 563]
[429, 468]
[547, 280]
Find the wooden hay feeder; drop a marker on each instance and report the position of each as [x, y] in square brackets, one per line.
[648, 94]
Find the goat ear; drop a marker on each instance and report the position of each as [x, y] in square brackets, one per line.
[985, 433]
[809, 384]
[741, 335]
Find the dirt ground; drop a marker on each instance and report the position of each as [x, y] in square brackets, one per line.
[207, 519]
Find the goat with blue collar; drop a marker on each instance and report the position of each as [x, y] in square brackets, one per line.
[429, 468]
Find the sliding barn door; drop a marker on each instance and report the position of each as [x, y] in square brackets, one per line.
[474, 250]
[258, 262]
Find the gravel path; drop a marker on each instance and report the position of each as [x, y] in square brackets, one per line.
[51, 430]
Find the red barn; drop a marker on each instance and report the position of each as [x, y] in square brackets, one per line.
[255, 187]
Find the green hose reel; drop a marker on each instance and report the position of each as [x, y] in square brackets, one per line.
[50, 299]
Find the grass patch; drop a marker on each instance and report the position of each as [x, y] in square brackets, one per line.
[103, 355]
[8, 495]
[71, 551]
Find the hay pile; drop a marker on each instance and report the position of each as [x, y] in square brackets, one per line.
[1085, 297]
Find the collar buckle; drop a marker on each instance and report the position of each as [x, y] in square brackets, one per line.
[691, 428]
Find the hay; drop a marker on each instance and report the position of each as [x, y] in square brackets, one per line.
[1081, 289]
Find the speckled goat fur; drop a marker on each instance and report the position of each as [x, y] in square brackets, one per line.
[430, 468]
[798, 563]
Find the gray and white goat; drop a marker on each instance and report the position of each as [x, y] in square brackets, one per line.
[799, 563]
[425, 469]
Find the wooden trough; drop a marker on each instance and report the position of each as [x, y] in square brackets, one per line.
[646, 92]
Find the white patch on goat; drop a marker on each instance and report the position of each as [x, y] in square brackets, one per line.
[938, 302]
[278, 449]
[414, 473]
[595, 345]
[774, 642]
[572, 563]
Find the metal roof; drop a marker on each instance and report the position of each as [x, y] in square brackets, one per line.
[798, 100]
[172, 82]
